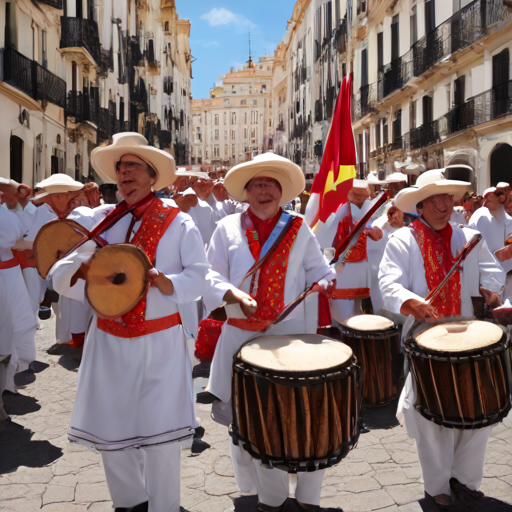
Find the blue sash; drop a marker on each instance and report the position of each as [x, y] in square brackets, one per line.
[283, 223]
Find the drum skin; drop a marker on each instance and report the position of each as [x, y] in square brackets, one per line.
[296, 420]
[375, 341]
[464, 389]
[54, 241]
[117, 279]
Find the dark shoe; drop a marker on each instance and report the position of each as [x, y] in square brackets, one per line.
[439, 506]
[65, 349]
[199, 433]
[469, 500]
[44, 313]
[205, 398]
[305, 507]
[201, 370]
[142, 507]
[199, 446]
[267, 508]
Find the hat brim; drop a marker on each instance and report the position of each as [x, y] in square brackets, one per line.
[289, 175]
[407, 199]
[105, 158]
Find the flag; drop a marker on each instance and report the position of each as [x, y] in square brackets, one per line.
[338, 168]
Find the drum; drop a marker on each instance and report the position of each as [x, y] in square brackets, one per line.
[375, 341]
[54, 241]
[296, 401]
[117, 279]
[462, 373]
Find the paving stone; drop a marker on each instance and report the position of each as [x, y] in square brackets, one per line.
[224, 467]
[89, 493]
[359, 484]
[406, 493]
[58, 494]
[362, 502]
[66, 507]
[216, 485]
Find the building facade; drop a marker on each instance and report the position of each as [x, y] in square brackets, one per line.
[235, 123]
[75, 72]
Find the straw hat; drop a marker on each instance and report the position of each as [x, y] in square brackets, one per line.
[396, 177]
[430, 183]
[105, 158]
[192, 174]
[58, 184]
[267, 165]
[361, 184]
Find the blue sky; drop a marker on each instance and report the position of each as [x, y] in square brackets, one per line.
[219, 34]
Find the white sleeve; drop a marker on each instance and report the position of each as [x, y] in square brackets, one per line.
[492, 275]
[11, 229]
[394, 275]
[315, 264]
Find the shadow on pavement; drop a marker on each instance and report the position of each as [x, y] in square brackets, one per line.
[485, 504]
[250, 504]
[19, 450]
[38, 366]
[380, 418]
[17, 404]
[68, 363]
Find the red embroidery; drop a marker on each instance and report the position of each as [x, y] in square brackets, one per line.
[350, 293]
[156, 220]
[358, 251]
[150, 326]
[254, 243]
[271, 281]
[435, 247]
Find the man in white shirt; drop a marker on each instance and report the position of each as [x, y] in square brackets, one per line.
[134, 398]
[293, 261]
[416, 260]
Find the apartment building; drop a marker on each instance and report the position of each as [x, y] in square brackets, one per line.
[74, 72]
[235, 123]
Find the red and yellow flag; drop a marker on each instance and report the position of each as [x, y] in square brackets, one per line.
[338, 168]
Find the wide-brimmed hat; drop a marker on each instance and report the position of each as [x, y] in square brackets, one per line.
[361, 184]
[268, 165]
[58, 184]
[396, 177]
[181, 171]
[104, 159]
[430, 183]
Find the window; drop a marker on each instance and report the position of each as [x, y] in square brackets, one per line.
[233, 134]
[200, 119]
[216, 134]
[254, 116]
[225, 118]
[245, 117]
[397, 125]
[263, 89]
[207, 153]
[166, 26]
[225, 134]
[412, 115]
[254, 103]
[216, 120]
[380, 52]
[233, 89]
[233, 151]
[44, 51]
[216, 151]
[233, 117]
[253, 133]
[226, 151]
[243, 102]
[377, 135]
[385, 135]
[245, 133]
[414, 26]
[198, 134]
[226, 102]
[395, 41]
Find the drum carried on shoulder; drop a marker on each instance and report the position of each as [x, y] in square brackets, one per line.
[296, 401]
[375, 341]
[462, 372]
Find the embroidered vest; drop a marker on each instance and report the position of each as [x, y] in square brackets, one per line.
[155, 221]
[358, 252]
[270, 279]
[438, 259]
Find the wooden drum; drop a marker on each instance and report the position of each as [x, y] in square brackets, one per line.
[375, 341]
[462, 373]
[296, 401]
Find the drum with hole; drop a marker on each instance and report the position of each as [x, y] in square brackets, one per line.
[462, 372]
[296, 401]
[375, 341]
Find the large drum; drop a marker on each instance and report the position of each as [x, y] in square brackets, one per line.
[462, 373]
[375, 341]
[117, 279]
[296, 401]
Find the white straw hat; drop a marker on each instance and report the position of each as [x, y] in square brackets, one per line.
[267, 165]
[58, 184]
[104, 159]
[430, 183]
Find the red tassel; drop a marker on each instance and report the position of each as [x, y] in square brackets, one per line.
[207, 338]
[324, 311]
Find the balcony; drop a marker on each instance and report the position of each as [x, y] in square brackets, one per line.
[424, 135]
[395, 75]
[463, 29]
[366, 100]
[83, 106]
[30, 77]
[80, 33]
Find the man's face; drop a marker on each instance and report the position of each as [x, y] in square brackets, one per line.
[502, 194]
[438, 209]
[492, 201]
[133, 179]
[62, 203]
[263, 196]
[396, 217]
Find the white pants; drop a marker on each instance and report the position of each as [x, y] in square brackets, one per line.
[272, 485]
[447, 452]
[343, 309]
[36, 288]
[137, 475]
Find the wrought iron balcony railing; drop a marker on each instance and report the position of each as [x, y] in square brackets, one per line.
[329, 102]
[77, 32]
[48, 87]
[318, 111]
[366, 100]
[83, 106]
[395, 75]
[424, 135]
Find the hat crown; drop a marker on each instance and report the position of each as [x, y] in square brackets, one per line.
[59, 179]
[429, 177]
[129, 139]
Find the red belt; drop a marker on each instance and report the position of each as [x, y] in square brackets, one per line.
[26, 258]
[350, 293]
[148, 327]
[13, 262]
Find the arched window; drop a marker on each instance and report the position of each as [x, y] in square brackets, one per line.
[501, 164]
[166, 26]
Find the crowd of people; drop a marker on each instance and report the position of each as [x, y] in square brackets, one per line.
[229, 248]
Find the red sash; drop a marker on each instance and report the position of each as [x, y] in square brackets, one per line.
[435, 247]
[271, 281]
[156, 220]
[358, 251]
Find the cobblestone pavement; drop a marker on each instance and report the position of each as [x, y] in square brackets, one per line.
[40, 469]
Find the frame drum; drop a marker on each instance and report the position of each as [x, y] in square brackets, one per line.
[375, 341]
[296, 401]
[462, 373]
[117, 279]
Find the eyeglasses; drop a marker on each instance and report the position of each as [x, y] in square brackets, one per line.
[131, 166]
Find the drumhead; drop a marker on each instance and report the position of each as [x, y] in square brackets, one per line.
[295, 353]
[368, 323]
[117, 279]
[463, 336]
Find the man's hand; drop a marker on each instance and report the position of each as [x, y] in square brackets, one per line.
[160, 281]
[324, 287]
[247, 304]
[504, 254]
[81, 273]
[492, 299]
[420, 310]
[374, 233]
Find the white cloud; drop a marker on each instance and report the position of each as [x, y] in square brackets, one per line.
[211, 44]
[222, 16]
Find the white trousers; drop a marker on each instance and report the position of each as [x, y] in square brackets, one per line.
[447, 452]
[343, 309]
[272, 485]
[137, 475]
